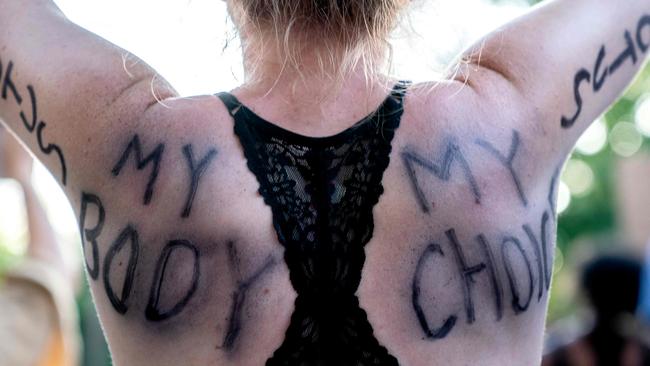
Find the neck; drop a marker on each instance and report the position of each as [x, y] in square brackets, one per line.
[312, 103]
[309, 84]
[313, 70]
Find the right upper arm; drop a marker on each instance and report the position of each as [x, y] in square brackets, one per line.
[559, 66]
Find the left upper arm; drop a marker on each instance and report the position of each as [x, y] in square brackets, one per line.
[65, 91]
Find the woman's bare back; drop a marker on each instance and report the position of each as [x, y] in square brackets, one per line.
[458, 265]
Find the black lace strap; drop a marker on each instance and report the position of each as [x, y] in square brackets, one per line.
[322, 191]
[399, 90]
[231, 102]
[397, 93]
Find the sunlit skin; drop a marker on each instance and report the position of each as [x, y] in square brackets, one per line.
[174, 231]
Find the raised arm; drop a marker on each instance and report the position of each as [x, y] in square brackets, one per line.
[42, 245]
[64, 91]
[564, 62]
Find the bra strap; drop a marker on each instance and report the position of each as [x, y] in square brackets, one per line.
[393, 106]
[234, 105]
[400, 89]
[231, 102]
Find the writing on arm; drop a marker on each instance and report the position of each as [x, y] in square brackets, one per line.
[637, 43]
[12, 93]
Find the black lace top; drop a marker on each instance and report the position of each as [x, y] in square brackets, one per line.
[322, 192]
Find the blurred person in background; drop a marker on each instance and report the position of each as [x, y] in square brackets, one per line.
[324, 212]
[643, 310]
[38, 324]
[611, 284]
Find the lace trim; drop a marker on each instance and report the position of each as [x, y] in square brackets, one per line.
[322, 192]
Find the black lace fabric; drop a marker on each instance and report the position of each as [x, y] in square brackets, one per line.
[322, 192]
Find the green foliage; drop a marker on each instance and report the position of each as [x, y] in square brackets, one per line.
[596, 213]
[7, 259]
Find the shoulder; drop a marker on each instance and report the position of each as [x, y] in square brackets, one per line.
[487, 130]
[167, 169]
[461, 107]
[175, 143]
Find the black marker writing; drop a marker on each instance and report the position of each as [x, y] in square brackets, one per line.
[582, 76]
[153, 158]
[450, 322]
[52, 148]
[91, 235]
[519, 275]
[551, 191]
[8, 85]
[542, 260]
[643, 24]
[467, 273]
[153, 311]
[196, 170]
[600, 73]
[494, 277]
[239, 297]
[129, 234]
[517, 306]
[508, 161]
[30, 125]
[599, 81]
[441, 170]
[629, 53]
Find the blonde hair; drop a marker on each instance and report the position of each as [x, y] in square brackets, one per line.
[340, 35]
